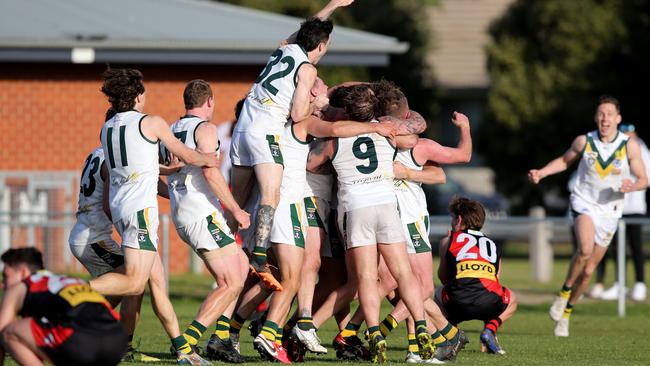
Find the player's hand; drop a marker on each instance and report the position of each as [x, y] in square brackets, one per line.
[399, 170]
[174, 162]
[459, 120]
[386, 129]
[243, 218]
[212, 160]
[626, 186]
[534, 176]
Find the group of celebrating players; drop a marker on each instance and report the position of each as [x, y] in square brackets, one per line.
[332, 178]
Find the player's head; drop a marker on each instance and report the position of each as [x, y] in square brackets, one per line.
[198, 94]
[20, 263]
[319, 88]
[466, 214]
[314, 37]
[392, 101]
[360, 103]
[608, 115]
[338, 95]
[124, 89]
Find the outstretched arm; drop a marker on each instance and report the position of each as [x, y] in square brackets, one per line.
[206, 141]
[319, 128]
[323, 14]
[155, 128]
[637, 168]
[430, 174]
[559, 164]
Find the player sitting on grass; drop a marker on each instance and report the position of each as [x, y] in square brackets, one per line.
[63, 321]
[470, 265]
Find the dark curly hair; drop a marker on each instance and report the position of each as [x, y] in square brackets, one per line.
[337, 96]
[360, 103]
[312, 32]
[122, 86]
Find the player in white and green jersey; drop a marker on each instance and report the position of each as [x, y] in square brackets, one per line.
[130, 142]
[280, 92]
[606, 158]
[196, 196]
[365, 173]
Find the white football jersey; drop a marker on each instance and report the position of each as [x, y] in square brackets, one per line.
[190, 196]
[364, 165]
[92, 223]
[601, 171]
[132, 162]
[294, 176]
[272, 92]
[410, 196]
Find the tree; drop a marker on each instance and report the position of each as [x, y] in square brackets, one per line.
[548, 63]
[405, 20]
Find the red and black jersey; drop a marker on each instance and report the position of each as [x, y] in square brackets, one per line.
[59, 297]
[473, 261]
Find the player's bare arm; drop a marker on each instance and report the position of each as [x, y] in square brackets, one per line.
[413, 124]
[637, 168]
[430, 173]
[301, 107]
[155, 128]
[561, 163]
[322, 14]
[206, 141]
[12, 301]
[319, 128]
[321, 152]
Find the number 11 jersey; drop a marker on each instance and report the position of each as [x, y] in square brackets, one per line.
[132, 162]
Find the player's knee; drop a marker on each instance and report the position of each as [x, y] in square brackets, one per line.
[135, 287]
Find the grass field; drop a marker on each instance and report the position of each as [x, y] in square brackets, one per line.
[598, 336]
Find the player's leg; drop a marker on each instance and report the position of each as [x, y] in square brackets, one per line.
[18, 340]
[636, 250]
[138, 264]
[489, 341]
[585, 235]
[242, 180]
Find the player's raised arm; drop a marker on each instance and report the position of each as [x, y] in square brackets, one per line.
[430, 173]
[637, 168]
[155, 128]
[323, 14]
[206, 141]
[561, 163]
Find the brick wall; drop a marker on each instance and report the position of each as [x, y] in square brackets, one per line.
[51, 114]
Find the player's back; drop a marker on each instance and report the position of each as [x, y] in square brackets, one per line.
[270, 98]
[473, 261]
[410, 195]
[364, 165]
[132, 162]
[601, 171]
[189, 193]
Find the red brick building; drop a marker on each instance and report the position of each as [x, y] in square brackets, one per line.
[52, 55]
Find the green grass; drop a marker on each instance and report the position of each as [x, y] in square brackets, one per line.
[598, 336]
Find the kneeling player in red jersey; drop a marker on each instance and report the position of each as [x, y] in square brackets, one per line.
[470, 264]
[63, 321]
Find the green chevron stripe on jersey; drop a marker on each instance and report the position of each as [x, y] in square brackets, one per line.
[298, 237]
[221, 238]
[144, 240]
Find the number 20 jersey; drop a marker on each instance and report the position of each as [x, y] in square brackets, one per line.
[473, 262]
[132, 162]
[364, 166]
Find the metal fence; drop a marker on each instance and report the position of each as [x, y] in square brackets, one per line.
[50, 231]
